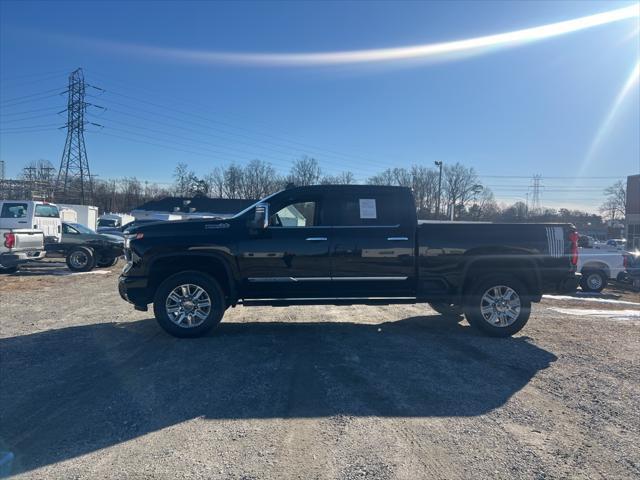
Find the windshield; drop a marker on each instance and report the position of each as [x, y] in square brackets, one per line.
[48, 211]
[107, 222]
[81, 228]
[239, 214]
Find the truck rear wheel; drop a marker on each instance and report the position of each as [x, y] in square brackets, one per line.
[189, 304]
[498, 305]
[593, 281]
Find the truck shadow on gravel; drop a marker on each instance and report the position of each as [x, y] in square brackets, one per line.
[72, 391]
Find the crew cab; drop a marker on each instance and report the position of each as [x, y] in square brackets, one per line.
[345, 244]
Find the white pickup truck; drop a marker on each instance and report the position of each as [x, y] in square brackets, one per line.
[19, 246]
[598, 264]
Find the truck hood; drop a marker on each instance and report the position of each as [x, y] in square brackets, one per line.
[179, 227]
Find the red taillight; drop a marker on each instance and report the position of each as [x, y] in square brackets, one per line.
[9, 240]
[625, 261]
[573, 237]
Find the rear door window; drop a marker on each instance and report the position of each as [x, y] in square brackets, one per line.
[368, 210]
[13, 210]
[47, 211]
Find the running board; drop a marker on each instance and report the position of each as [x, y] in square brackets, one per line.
[285, 302]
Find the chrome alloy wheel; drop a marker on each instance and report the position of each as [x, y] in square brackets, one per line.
[594, 281]
[188, 305]
[500, 306]
[78, 259]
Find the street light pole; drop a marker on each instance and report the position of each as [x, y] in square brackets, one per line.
[439, 164]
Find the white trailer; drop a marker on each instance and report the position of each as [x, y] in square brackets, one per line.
[87, 214]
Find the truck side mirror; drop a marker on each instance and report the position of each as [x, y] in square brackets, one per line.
[261, 216]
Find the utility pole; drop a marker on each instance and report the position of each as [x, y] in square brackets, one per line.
[439, 164]
[74, 178]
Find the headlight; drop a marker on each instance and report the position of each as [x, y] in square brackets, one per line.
[131, 236]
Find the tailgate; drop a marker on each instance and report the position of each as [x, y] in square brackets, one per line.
[28, 240]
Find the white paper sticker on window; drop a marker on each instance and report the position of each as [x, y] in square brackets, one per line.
[368, 208]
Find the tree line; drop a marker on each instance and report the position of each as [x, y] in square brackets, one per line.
[460, 195]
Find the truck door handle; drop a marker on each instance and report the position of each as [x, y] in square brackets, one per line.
[397, 239]
[316, 239]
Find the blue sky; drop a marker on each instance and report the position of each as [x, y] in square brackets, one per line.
[534, 108]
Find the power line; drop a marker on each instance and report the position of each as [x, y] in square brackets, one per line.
[23, 119]
[5, 114]
[340, 163]
[11, 100]
[29, 127]
[254, 132]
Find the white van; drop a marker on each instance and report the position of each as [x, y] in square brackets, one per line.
[41, 216]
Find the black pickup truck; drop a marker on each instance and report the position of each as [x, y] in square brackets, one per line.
[345, 244]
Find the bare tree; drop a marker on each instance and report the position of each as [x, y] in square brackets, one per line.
[259, 180]
[215, 181]
[460, 185]
[305, 171]
[392, 176]
[614, 205]
[233, 181]
[343, 178]
[424, 183]
[186, 183]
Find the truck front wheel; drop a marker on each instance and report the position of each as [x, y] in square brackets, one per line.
[498, 305]
[188, 304]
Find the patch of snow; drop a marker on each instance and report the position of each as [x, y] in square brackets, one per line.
[610, 314]
[590, 299]
[68, 272]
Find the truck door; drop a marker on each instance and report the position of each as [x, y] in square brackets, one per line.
[372, 248]
[289, 258]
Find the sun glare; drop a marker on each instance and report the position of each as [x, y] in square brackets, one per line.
[438, 50]
[609, 120]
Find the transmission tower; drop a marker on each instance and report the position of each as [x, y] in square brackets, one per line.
[74, 178]
[535, 203]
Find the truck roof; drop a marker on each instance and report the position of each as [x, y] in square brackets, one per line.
[350, 188]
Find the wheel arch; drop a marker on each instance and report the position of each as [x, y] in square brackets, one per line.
[214, 265]
[525, 269]
[596, 265]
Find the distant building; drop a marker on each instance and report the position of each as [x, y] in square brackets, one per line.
[633, 212]
[181, 208]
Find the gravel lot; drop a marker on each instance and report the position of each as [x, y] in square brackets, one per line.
[90, 388]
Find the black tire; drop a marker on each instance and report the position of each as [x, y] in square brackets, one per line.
[182, 329]
[448, 310]
[8, 270]
[107, 262]
[593, 281]
[81, 259]
[474, 303]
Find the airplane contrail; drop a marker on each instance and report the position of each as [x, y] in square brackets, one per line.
[470, 45]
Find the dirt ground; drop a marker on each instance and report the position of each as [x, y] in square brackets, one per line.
[90, 388]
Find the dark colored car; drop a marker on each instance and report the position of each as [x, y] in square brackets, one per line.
[85, 249]
[345, 244]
